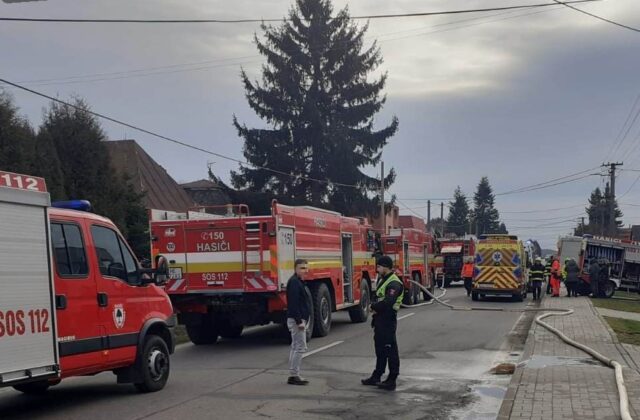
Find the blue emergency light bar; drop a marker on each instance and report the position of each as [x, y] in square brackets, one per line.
[81, 205]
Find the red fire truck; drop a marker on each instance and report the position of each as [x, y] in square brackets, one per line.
[74, 300]
[454, 252]
[229, 271]
[410, 248]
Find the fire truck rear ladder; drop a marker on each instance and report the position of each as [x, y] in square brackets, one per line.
[253, 245]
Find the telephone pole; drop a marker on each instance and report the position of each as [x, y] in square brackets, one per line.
[612, 196]
[442, 217]
[429, 214]
[382, 215]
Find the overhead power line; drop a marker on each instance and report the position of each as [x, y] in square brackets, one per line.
[261, 20]
[566, 3]
[250, 59]
[542, 210]
[551, 182]
[547, 184]
[622, 135]
[172, 140]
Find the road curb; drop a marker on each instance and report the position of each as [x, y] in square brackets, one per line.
[514, 384]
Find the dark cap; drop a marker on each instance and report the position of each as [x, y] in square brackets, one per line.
[385, 261]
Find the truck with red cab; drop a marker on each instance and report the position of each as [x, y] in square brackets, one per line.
[74, 299]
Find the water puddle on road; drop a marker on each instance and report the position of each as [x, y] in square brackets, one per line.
[539, 362]
[486, 400]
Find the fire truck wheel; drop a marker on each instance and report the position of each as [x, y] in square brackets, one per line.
[474, 296]
[321, 310]
[154, 365]
[361, 312]
[33, 388]
[204, 333]
[416, 289]
[228, 330]
[609, 289]
[432, 289]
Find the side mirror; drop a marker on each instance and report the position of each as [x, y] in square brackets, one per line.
[161, 274]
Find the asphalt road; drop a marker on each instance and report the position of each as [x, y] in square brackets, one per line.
[445, 361]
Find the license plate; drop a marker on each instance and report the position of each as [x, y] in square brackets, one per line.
[485, 286]
[175, 273]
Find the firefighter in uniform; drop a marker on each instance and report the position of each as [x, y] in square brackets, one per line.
[389, 293]
[537, 277]
[547, 274]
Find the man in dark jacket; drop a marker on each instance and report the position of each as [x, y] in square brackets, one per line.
[389, 292]
[571, 277]
[547, 273]
[594, 278]
[298, 315]
[603, 278]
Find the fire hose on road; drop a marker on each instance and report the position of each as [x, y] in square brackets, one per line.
[622, 389]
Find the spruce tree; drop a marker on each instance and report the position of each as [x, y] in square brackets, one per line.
[319, 105]
[485, 216]
[458, 219]
[598, 212]
[76, 137]
[17, 139]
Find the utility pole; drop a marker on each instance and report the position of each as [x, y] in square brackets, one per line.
[582, 228]
[612, 196]
[429, 213]
[442, 217]
[382, 215]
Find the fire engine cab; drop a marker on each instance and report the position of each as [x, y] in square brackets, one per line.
[229, 269]
[74, 300]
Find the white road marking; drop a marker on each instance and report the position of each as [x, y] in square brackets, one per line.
[406, 316]
[318, 350]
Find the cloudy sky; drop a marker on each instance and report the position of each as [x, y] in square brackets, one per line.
[522, 96]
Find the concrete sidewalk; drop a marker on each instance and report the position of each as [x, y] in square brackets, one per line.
[611, 313]
[557, 381]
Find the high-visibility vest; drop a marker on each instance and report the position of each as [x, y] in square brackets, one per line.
[467, 270]
[381, 291]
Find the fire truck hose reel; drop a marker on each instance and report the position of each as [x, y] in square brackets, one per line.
[622, 389]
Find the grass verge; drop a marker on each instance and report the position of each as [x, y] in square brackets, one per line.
[617, 305]
[628, 331]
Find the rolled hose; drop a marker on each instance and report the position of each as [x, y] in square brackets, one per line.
[622, 389]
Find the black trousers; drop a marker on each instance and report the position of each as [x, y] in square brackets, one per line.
[537, 289]
[467, 284]
[386, 353]
[548, 278]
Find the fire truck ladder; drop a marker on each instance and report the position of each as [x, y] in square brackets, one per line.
[253, 258]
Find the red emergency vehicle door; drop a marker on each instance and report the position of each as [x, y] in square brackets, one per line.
[79, 328]
[122, 301]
